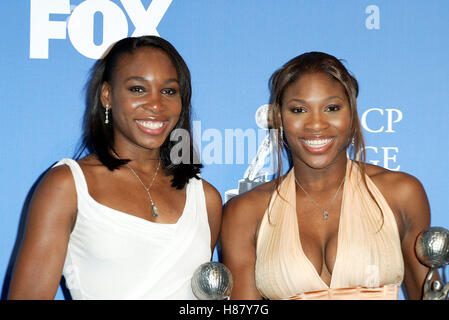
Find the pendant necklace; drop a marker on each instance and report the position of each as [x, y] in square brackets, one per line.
[154, 209]
[325, 211]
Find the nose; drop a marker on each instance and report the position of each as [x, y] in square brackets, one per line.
[316, 122]
[154, 104]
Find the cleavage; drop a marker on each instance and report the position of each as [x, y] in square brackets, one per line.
[321, 253]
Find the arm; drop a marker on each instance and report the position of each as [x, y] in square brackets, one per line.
[413, 206]
[214, 210]
[238, 236]
[51, 216]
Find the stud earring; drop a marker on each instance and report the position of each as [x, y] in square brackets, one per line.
[106, 114]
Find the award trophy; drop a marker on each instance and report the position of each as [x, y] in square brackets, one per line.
[212, 281]
[254, 175]
[432, 250]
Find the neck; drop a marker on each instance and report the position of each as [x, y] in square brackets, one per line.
[318, 179]
[144, 160]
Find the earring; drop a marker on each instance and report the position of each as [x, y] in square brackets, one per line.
[353, 142]
[106, 114]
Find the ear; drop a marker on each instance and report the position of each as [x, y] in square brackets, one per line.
[106, 94]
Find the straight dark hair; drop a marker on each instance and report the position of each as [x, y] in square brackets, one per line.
[98, 138]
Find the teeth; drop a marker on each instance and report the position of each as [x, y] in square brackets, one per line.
[151, 124]
[317, 143]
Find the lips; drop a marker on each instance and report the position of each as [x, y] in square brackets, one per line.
[152, 127]
[317, 145]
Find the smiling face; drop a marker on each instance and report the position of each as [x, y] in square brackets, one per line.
[144, 96]
[316, 119]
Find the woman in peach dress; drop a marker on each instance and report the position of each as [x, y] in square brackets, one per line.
[333, 227]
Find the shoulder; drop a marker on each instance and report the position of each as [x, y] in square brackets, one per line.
[213, 201]
[54, 198]
[211, 193]
[251, 205]
[399, 184]
[214, 210]
[404, 192]
[58, 178]
[243, 214]
[210, 190]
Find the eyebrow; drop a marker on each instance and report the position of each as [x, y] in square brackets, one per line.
[145, 79]
[326, 99]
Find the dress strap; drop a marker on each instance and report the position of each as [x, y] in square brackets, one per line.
[78, 175]
[195, 200]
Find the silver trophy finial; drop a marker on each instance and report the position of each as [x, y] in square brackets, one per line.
[432, 250]
[262, 121]
[262, 116]
[432, 247]
[212, 281]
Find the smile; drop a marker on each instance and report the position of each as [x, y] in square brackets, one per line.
[154, 125]
[317, 143]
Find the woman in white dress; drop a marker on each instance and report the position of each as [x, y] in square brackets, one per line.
[132, 219]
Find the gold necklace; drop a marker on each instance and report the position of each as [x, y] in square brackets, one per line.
[325, 211]
[154, 209]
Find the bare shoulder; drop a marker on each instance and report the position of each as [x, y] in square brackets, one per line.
[58, 179]
[250, 205]
[55, 197]
[211, 193]
[400, 184]
[404, 192]
[214, 203]
[214, 210]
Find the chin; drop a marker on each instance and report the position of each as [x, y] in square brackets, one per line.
[317, 164]
[151, 144]
[155, 145]
[320, 161]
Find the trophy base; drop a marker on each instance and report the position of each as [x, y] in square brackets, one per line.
[231, 194]
[244, 186]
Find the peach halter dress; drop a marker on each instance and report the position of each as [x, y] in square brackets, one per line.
[368, 264]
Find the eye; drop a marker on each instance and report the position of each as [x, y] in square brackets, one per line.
[298, 109]
[169, 91]
[333, 108]
[137, 89]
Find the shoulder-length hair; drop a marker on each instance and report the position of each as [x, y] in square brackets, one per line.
[98, 138]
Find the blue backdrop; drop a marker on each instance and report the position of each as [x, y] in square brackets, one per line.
[396, 49]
